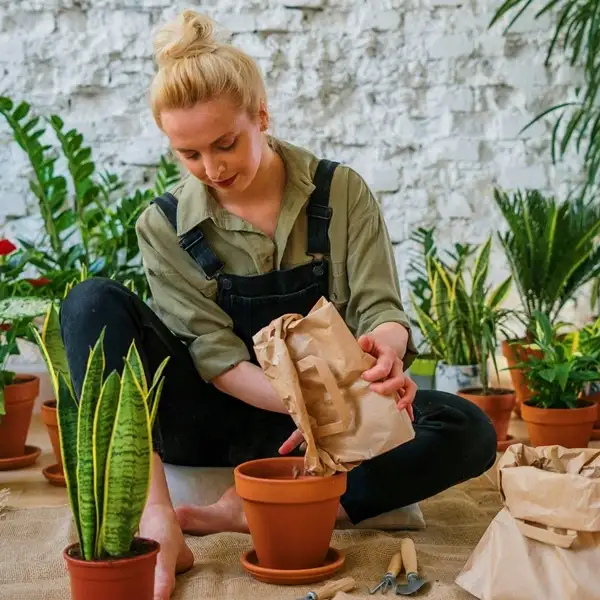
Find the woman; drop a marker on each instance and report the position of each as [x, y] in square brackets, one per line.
[259, 228]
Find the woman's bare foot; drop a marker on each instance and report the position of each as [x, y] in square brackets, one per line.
[225, 515]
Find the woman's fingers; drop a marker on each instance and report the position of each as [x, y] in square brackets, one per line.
[291, 443]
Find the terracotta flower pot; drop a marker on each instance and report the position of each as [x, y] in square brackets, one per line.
[497, 405]
[50, 419]
[595, 397]
[291, 519]
[19, 398]
[568, 427]
[514, 352]
[117, 579]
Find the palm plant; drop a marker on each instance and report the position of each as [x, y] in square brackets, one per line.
[552, 249]
[577, 33]
[105, 441]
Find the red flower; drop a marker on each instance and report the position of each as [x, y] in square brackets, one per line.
[5, 326]
[6, 247]
[39, 281]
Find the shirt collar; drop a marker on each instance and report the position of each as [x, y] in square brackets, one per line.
[196, 203]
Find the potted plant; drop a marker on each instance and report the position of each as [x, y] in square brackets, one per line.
[556, 412]
[447, 327]
[588, 341]
[484, 318]
[553, 250]
[106, 445]
[18, 391]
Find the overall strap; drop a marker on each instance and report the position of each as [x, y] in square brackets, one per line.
[193, 242]
[318, 210]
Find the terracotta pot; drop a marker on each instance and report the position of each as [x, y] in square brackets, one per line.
[497, 405]
[514, 352]
[568, 427]
[50, 419]
[19, 398]
[291, 519]
[595, 397]
[117, 579]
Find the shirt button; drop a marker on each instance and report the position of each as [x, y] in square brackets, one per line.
[334, 296]
[226, 283]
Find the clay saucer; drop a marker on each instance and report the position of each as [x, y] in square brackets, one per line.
[333, 562]
[20, 462]
[54, 474]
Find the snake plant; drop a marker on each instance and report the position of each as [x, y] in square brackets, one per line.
[105, 440]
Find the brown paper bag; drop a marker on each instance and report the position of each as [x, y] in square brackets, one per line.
[545, 543]
[315, 366]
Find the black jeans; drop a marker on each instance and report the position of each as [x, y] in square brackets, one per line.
[198, 425]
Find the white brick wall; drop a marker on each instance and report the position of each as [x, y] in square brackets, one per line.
[418, 95]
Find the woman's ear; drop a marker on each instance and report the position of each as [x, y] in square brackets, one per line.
[263, 117]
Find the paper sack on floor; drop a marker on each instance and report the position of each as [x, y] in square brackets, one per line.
[545, 543]
[315, 366]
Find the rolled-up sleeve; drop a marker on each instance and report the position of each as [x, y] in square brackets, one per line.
[177, 287]
[375, 296]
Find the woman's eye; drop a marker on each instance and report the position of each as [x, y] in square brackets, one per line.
[193, 156]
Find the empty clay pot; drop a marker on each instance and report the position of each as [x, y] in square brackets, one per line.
[497, 405]
[117, 579]
[291, 519]
[568, 427]
[50, 419]
[515, 352]
[19, 398]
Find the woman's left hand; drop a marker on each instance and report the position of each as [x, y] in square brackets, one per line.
[387, 374]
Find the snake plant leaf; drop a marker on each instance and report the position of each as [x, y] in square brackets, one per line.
[54, 347]
[134, 359]
[156, 390]
[128, 468]
[104, 421]
[90, 394]
[499, 294]
[67, 417]
[480, 270]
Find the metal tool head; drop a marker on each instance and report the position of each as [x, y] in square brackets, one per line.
[387, 583]
[309, 596]
[415, 583]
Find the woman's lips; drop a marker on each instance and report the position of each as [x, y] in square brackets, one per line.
[225, 182]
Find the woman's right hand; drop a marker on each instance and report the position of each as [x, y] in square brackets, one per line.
[160, 523]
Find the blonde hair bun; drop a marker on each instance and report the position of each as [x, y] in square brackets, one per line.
[191, 35]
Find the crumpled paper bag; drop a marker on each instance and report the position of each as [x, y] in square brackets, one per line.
[315, 366]
[545, 543]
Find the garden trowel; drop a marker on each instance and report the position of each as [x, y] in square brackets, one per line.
[409, 558]
[329, 590]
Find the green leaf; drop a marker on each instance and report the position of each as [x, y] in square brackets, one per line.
[134, 359]
[21, 111]
[67, 417]
[90, 394]
[128, 468]
[26, 308]
[104, 421]
[155, 391]
[5, 104]
[499, 294]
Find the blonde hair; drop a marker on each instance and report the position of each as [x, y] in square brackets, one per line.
[193, 67]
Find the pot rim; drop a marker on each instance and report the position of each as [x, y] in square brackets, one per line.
[113, 561]
[23, 380]
[312, 480]
[588, 404]
[497, 391]
[473, 366]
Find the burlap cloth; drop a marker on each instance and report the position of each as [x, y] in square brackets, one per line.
[32, 568]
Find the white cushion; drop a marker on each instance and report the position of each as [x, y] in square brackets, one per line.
[205, 485]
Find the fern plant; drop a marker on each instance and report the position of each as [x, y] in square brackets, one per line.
[552, 249]
[87, 219]
[105, 441]
[577, 34]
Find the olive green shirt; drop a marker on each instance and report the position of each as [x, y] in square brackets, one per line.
[363, 278]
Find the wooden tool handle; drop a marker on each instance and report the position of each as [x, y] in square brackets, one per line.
[409, 555]
[330, 589]
[395, 564]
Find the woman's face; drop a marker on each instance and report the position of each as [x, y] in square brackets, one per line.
[218, 143]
